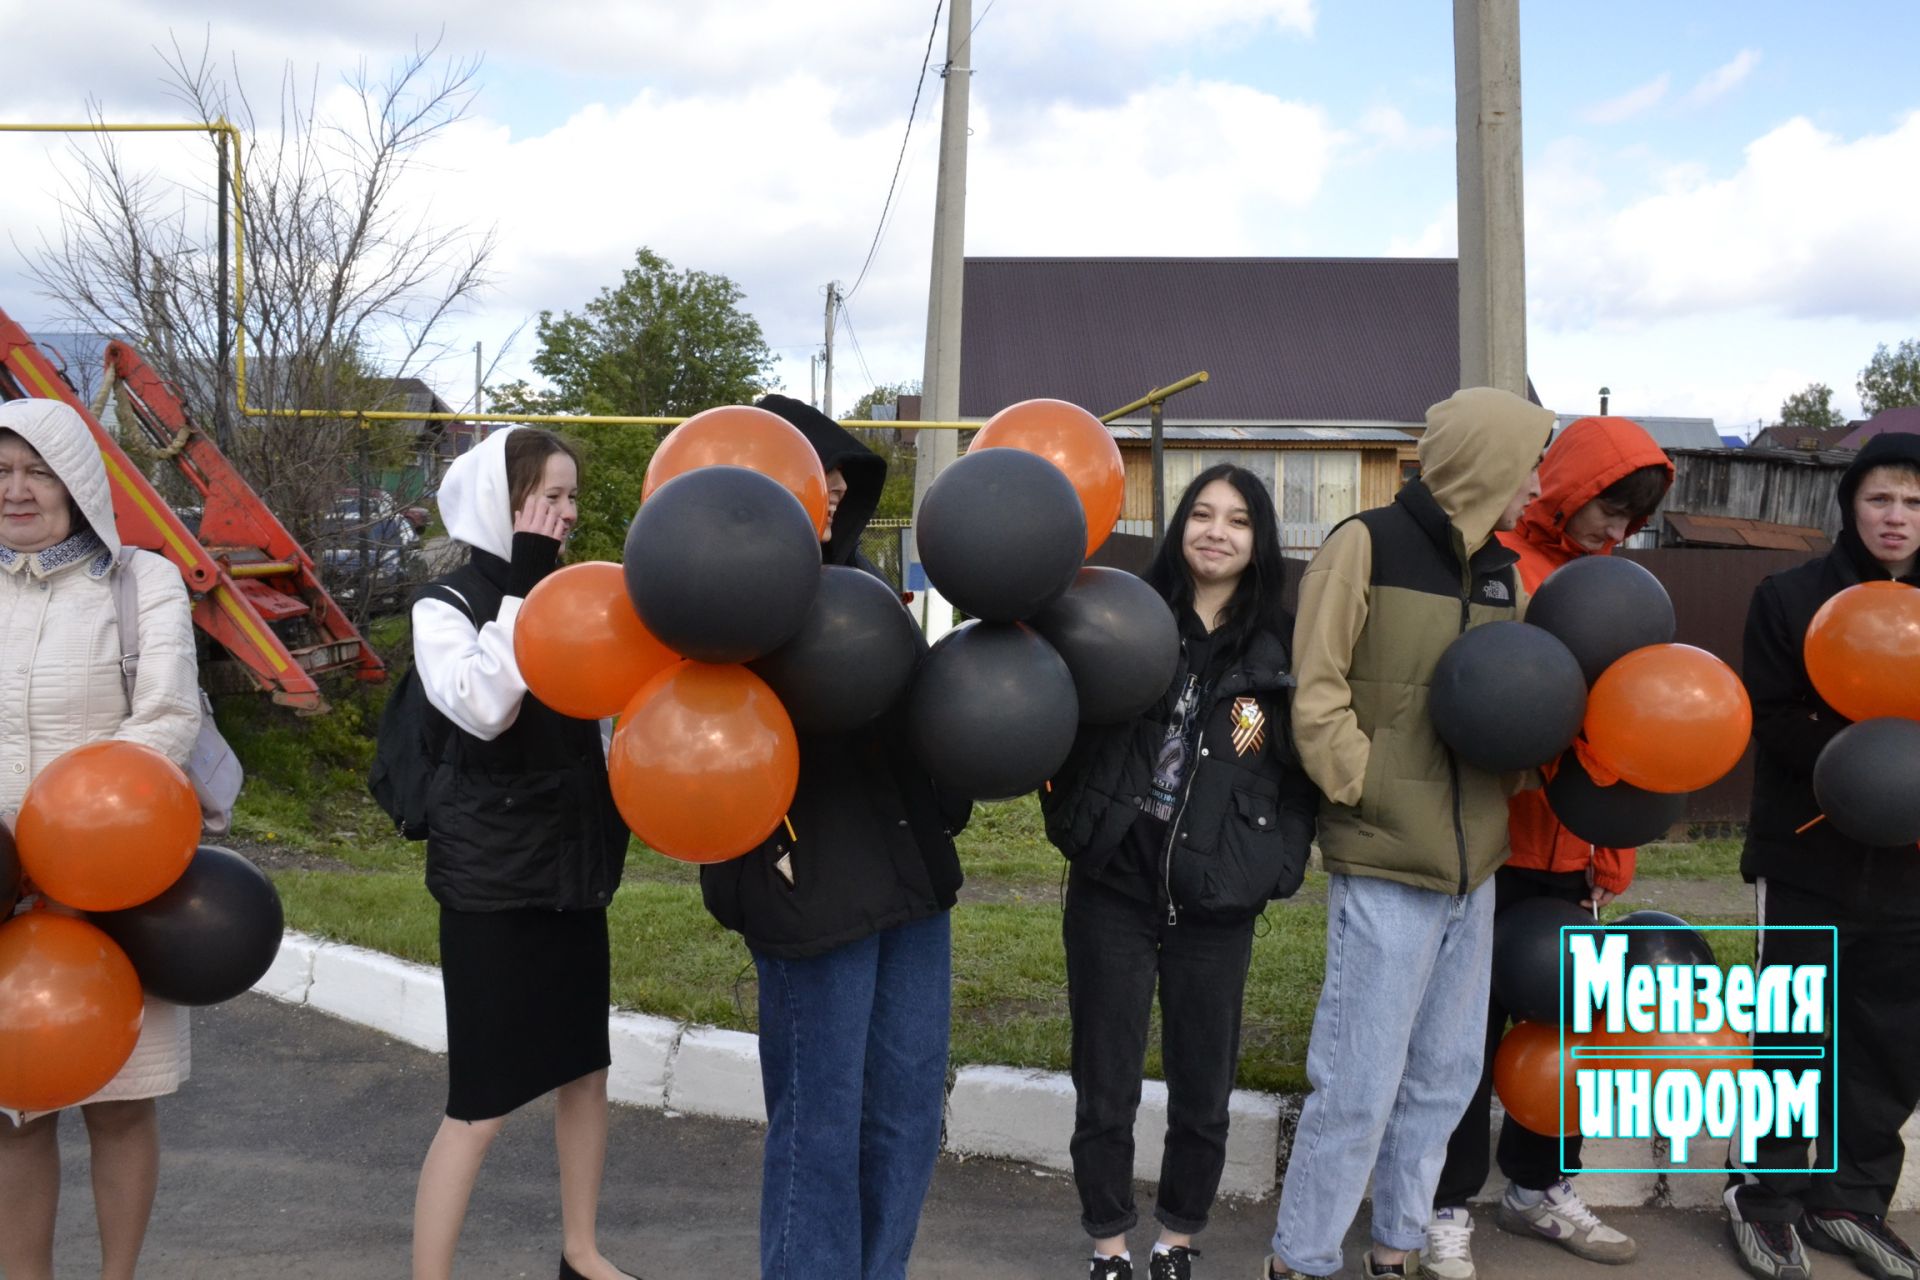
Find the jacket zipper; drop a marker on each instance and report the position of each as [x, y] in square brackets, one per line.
[1453, 762]
[1179, 814]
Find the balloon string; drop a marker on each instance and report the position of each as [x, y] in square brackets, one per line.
[789, 823]
[1806, 827]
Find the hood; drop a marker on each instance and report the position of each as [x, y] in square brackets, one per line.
[1889, 447]
[474, 501]
[61, 436]
[1589, 455]
[865, 472]
[1479, 445]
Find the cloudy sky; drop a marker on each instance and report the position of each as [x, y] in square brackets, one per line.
[1720, 194]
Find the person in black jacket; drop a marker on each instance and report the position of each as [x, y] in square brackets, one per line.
[1813, 875]
[845, 912]
[1180, 826]
[524, 851]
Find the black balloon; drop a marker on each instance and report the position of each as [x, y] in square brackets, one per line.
[1118, 638]
[1867, 781]
[207, 938]
[1528, 976]
[1617, 817]
[992, 711]
[9, 871]
[722, 564]
[852, 658]
[1602, 608]
[1001, 533]
[1674, 941]
[1507, 696]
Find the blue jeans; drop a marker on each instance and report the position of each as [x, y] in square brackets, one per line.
[1395, 1055]
[853, 1058]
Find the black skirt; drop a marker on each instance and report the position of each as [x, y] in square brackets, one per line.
[527, 994]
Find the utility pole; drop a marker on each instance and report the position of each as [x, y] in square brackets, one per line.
[826, 394]
[940, 376]
[813, 379]
[1493, 280]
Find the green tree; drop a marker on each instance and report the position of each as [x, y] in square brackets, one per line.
[1811, 407]
[896, 500]
[660, 343]
[1892, 378]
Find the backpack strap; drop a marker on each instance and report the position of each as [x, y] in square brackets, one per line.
[126, 609]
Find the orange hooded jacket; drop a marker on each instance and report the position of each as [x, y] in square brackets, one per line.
[1589, 455]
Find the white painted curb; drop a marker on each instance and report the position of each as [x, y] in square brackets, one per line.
[1000, 1112]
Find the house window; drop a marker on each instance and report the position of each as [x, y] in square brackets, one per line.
[1308, 486]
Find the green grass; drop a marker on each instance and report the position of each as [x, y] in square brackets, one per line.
[306, 790]
[1699, 860]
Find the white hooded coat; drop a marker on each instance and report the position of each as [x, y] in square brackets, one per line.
[60, 682]
[469, 672]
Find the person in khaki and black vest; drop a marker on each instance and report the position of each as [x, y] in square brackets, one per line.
[1410, 834]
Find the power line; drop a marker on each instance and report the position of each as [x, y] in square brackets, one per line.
[926, 60]
[854, 338]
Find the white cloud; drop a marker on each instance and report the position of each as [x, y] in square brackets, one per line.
[1388, 128]
[1810, 225]
[1724, 79]
[1634, 102]
[1440, 238]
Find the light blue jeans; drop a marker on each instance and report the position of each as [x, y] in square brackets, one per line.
[1395, 1055]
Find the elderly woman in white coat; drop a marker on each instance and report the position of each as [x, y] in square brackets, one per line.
[61, 687]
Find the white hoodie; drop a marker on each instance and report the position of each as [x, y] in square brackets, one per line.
[469, 673]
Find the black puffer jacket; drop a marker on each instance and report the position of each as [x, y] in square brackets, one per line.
[1792, 723]
[1241, 835]
[526, 819]
[872, 841]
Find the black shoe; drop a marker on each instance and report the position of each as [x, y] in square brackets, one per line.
[1099, 1268]
[568, 1273]
[1175, 1264]
[1874, 1245]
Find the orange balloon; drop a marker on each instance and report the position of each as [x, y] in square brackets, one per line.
[1863, 651]
[580, 646]
[70, 1011]
[1534, 1080]
[1668, 718]
[1678, 1051]
[704, 762]
[108, 826]
[1076, 442]
[739, 435]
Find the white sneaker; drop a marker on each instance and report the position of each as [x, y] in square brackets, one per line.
[1562, 1217]
[1449, 1251]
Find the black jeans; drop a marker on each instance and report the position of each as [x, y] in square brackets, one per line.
[1528, 1159]
[1878, 1032]
[1117, 948]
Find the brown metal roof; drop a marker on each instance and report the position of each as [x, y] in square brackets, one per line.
[1733, 531]
[1335, 341]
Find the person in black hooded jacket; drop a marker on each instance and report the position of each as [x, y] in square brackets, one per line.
[1180, 826]
[1814, 875]
[845, 912]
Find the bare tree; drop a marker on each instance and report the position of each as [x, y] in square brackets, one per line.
[348, 285]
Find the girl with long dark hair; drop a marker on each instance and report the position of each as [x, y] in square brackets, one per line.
[1180, 826]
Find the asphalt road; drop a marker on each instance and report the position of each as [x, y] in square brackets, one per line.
[293, 1151]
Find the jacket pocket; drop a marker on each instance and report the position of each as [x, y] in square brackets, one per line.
[1248, 864]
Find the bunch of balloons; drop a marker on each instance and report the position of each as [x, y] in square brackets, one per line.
[1661, 719]
[1003, 534]
[111, 829]
[718, 638]
[1863, 656]
[1535, 1080]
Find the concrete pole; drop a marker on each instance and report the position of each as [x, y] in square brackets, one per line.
[940, 376]
[1493, 277]
[826, 394]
